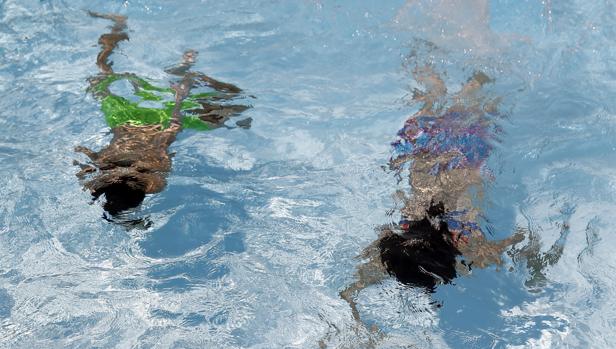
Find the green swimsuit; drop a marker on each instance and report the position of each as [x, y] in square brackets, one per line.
[120, 111]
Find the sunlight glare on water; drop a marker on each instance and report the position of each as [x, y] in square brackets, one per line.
[257, 230]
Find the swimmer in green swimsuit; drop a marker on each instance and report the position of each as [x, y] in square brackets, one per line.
[137, 161]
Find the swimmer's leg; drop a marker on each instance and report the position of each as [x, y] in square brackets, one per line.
[434, 86]
[109, 41]
[188, 60]
[119, 21]
[182, 90]
[230, 90]
[472, 86]
[491, 106]
[217, 114]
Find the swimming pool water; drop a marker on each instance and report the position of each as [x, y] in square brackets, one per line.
[257, 230]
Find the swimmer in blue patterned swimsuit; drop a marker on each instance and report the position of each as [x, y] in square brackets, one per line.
[444, 147]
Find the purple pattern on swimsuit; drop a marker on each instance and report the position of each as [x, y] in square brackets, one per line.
[455, 224]
[460, 133]
[468, 136]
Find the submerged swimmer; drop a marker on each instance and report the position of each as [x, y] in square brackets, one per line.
[137, 160]
[444, 146]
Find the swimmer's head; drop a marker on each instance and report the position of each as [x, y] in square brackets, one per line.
[423, 254]
[124, 189]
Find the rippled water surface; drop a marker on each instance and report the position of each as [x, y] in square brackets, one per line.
[257, 230]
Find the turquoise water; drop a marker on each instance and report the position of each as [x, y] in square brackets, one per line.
[257, 230]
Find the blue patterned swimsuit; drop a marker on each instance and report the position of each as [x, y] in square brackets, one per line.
[465, 137]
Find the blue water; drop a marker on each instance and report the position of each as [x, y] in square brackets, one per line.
[257, 230]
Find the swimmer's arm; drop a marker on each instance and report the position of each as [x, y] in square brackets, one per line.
[552, 256]
[368, 273]
[88, 152]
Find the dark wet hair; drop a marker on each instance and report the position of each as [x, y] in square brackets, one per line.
[121, 196]
[424, 254]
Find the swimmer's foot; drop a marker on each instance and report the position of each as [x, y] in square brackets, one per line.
[117, 19]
